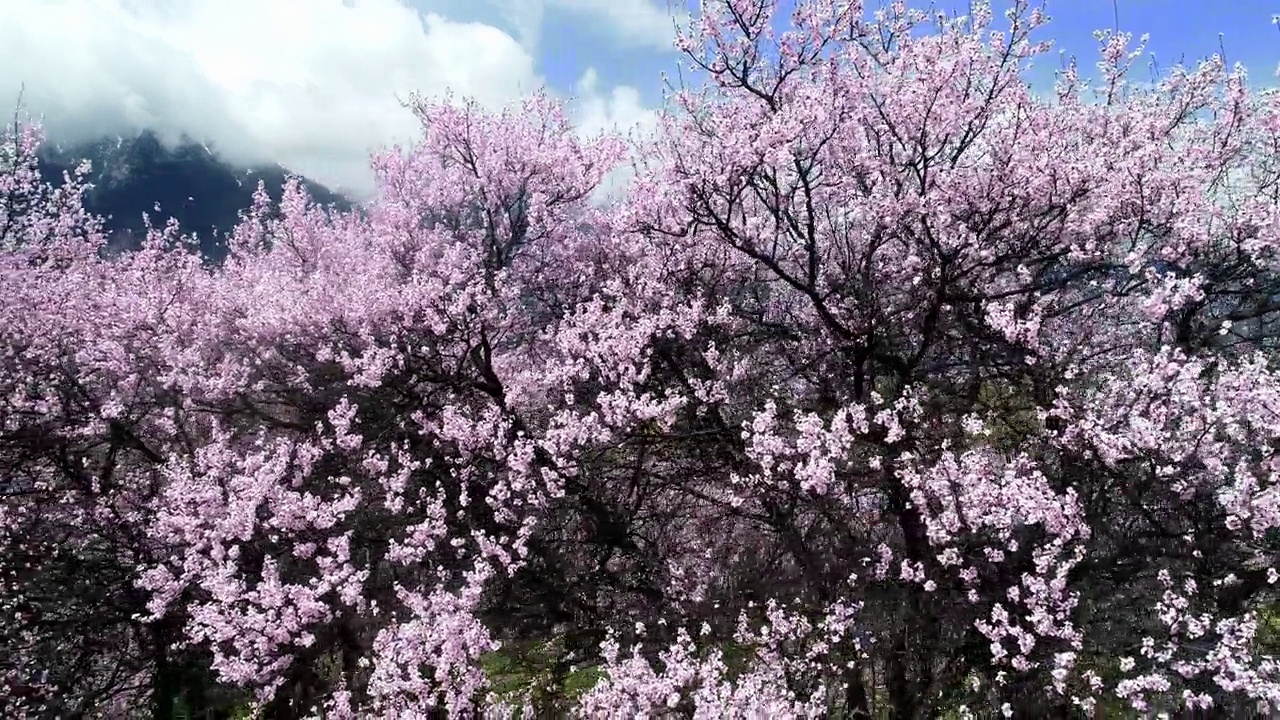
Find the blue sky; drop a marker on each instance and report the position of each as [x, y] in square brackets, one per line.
[316, 85]
[1180, 30]
[1186, 30]
[1179, 27]
[573, 38]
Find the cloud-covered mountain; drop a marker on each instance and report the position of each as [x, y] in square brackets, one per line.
[130, 175]
[318, 85]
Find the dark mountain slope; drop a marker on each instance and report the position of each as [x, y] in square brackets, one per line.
[190, 183]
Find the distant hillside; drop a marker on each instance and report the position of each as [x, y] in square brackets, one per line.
[191, 184]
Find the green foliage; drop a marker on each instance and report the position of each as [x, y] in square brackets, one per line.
[1010, 413]
[539, 672]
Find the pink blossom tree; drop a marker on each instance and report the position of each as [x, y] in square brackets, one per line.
[84, 430]
[976, 364]
[376, 446]
[890, 388]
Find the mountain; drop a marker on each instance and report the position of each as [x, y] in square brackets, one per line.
[190, 183]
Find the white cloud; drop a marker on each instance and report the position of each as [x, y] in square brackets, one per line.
[645, 23]
[525, 17]
[312, 84]
[634, 24]
[620, 112]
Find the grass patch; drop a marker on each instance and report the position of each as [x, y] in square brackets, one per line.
[539, 672]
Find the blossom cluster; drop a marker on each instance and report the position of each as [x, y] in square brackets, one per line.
[887, 386]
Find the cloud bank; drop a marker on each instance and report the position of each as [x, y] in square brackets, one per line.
[314, 85]
[639, 23]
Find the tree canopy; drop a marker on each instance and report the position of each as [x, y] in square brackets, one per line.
[888, 388]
